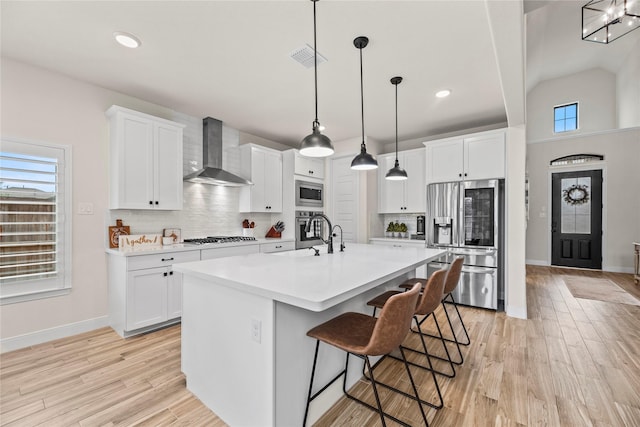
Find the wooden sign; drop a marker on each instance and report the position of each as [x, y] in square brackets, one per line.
[116, 231]
[139, 240]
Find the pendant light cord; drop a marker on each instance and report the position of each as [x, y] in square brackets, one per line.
[315, 62]
[396, 123]
[361, 97]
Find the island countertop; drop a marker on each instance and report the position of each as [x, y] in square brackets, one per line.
[311, 282]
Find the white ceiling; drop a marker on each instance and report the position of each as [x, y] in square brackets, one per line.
[230, 59]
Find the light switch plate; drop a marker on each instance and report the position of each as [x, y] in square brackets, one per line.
[85, 208]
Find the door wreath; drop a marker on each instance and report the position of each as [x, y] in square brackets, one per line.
[576, 194]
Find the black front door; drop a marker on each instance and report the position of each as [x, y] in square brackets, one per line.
[576, 219]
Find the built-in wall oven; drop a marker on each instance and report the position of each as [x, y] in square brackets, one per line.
[315, 234]
[309, 194]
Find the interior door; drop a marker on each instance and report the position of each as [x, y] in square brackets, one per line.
[576, 219]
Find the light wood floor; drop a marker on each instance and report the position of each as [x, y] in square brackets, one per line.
[574, 362]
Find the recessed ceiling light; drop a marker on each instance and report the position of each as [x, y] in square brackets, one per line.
[443, 93]
[127, 40]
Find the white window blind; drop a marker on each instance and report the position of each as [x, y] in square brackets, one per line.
[35, 244]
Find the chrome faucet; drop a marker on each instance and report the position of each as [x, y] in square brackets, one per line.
[334, 235]
[329, 241]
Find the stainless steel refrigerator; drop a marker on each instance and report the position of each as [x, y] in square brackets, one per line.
[467, 219]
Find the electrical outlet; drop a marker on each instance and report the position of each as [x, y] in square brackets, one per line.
[85, 208]
[256, 330]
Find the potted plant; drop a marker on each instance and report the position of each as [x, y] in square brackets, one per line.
[396, 229]
[403, 230]
[389, 232]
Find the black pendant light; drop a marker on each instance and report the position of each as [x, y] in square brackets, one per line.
[364, 160]
[396, 173]
[316, 144]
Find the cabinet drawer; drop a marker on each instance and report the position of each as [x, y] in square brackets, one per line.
[277, 247]
[230, 251]
[161, 259]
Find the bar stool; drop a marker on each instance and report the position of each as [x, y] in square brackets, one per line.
[365, 336]
[453, 277]
[429, 301]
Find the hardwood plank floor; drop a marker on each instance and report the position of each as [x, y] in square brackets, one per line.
[573, 362]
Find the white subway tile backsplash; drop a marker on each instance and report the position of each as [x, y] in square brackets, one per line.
[208, 210]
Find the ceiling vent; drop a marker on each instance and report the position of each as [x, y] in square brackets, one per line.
[304, 56]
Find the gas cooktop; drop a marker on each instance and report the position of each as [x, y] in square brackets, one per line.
[218, 239]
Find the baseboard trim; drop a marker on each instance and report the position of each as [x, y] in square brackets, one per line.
[617, 269]
[42, 336]
[517, 312]
[536, 262]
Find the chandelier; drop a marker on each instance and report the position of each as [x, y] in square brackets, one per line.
[604, 21]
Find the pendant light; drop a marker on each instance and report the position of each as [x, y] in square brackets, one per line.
[396, 173]
[364, 160]
[316, 144]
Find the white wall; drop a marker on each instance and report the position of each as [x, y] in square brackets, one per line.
[628, 90]
[595, 92]
[45, 106]
[621, 150]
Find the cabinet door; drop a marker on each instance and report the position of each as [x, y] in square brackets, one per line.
[415, 187]
[390, 193]
[484, 157]
[308, 166]
[133, 171]
[168, 167]
[146, 297]
[445, 161]
[258, 177]
[174, 295]
[273, 181]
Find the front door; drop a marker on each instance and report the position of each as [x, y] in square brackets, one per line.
[576, 219]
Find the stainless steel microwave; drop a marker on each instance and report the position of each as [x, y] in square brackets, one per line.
[309, 194]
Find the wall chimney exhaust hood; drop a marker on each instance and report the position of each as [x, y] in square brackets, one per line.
[212, 172]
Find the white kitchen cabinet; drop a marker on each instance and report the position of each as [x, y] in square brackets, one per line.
[272, 247]
[403, 243]
[308, 166]
[144, 291]
[473, 157]
[263, 167]
[145, 161]
[406, 196]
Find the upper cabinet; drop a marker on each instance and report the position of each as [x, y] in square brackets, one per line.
[479, 156]
[263, 167]
[145, 161]
[308, 166]
[406, 196]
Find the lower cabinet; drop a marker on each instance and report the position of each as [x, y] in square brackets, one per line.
[420, 271]
[144, 291]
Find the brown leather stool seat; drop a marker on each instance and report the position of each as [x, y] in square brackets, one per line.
[363, 336]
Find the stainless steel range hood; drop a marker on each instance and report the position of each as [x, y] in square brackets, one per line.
[212, 172]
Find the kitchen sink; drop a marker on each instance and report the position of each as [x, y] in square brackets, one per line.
[302, 252]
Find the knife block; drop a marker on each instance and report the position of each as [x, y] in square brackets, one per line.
[273, 233]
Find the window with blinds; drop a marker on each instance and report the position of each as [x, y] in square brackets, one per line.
[34, 233]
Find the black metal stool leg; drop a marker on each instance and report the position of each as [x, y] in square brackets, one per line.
[464, 328]
[375, 391]
[313, 371]
[415, 389]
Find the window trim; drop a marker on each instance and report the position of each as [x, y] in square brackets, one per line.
[27, 146]
[566, 104]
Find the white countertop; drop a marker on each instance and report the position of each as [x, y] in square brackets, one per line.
[312, 282]
[398, 240]
[179, 247]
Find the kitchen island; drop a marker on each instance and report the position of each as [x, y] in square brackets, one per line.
[245, 353]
